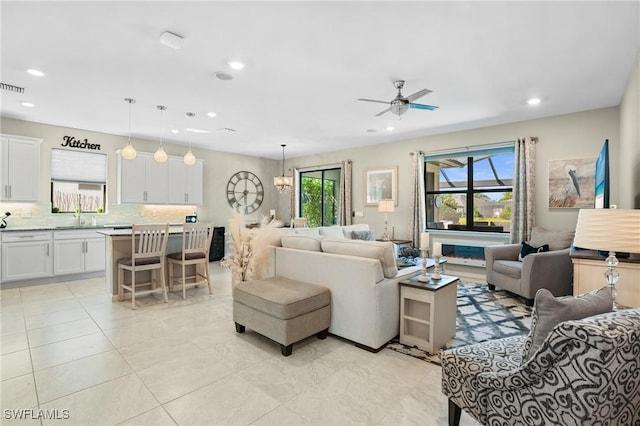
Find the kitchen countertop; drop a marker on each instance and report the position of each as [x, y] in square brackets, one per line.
[104, 227]
[173, 229]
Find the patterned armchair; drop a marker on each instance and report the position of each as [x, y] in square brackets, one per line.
[587, 372]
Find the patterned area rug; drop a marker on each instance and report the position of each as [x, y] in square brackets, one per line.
[482, 315]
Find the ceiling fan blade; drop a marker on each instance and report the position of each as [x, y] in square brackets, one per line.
[382, 112]
[422, 106]
[417, 95]
[373, 100]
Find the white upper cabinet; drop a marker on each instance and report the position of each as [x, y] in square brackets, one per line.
[19, 168]
[185, 182]
[142, 180]
[145, 181]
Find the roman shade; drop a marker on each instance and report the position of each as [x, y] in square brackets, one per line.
[77, 166]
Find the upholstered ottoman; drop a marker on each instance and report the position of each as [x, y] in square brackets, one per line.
[283, 310]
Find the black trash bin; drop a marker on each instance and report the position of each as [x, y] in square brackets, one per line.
[216, 251]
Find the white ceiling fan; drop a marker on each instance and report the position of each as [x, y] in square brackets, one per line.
[400, 104]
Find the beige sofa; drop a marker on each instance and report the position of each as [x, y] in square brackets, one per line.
[361, 275]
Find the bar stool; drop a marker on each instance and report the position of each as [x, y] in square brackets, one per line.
[196, 242]
[148, 250]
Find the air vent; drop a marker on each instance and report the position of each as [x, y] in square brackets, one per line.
[11, 88]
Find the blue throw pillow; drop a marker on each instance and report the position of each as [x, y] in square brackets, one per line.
[527, 249]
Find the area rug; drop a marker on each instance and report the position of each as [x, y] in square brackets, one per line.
[481, 315]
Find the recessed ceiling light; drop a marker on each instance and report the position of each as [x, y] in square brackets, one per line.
[189, 129]
[27, 104]
[211, 114]
[174, 131]
[223, 76]
[35, 72]
[534, 101]
[390, 128]
[236, 65]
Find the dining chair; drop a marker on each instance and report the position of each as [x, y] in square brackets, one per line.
[299, 222]
[148, 250]
[196, 242]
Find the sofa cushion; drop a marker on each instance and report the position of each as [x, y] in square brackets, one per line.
[549, 311]
[510, 268]
[527, 249]
[383, 251]
[306, 231]
[557, 240]
[302, 242]
[331, 231]
[346, 230]
[363, 235]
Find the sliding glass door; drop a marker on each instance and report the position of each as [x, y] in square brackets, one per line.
[319, 196]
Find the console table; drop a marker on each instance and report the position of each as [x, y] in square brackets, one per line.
[428, 312]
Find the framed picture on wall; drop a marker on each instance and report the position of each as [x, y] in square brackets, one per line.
[381, 184]
[572, 183]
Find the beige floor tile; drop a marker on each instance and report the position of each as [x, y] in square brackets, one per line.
[106, 404]
[14, 342]
[48, 306]
[183, 374]
[10, 297]
[15, 364]
[59, 332]
[19, 392]
[53, 318]
[153, 352]
[156, 417]
[45, 293]
[11, 320]
[137, 332]
[68, 350]
[231, 401]
[83, 373]
[280, 416]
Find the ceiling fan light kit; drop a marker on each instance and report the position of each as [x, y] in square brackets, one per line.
[400, 104]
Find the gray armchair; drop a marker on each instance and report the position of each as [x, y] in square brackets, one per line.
[585, 373]
[552, 270]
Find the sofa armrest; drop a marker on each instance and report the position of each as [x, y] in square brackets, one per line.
[552, 270]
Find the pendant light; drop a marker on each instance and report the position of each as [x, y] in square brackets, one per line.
[283, 183]
[129, 152]
[189, 158]
[160, 156]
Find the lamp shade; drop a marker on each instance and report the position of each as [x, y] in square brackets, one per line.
[386, 206]
[615, 230]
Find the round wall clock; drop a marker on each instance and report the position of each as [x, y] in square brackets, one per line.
[245, 192]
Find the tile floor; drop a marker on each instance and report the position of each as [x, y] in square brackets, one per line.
[67, 351]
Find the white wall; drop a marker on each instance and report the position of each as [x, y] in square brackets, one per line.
[629, 162]
[578, 135]
[218, 168]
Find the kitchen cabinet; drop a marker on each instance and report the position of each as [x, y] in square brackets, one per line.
[26, 255]
[142, 180]
[78, 251]
[19, 168]
[185, 182]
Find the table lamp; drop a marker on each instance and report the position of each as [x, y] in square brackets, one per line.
[386, 207]
[612, 230]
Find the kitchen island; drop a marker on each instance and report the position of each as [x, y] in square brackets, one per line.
[118, 245]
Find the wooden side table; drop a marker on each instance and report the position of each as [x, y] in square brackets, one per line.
[428, 312]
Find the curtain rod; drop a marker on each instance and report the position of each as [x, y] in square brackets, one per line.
[337, 165]
[470, 148]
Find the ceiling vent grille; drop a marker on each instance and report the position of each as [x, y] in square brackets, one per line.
[11, 88]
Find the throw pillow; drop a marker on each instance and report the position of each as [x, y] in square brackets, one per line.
[527, 249]
[363, 235]
[549, 311]
[557, 240]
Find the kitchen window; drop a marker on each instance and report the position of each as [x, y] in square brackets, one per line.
[78, 181]
[471, 190]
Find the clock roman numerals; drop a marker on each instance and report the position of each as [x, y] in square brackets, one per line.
[245, 192]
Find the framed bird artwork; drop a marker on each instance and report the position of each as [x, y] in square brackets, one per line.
[572, 183]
